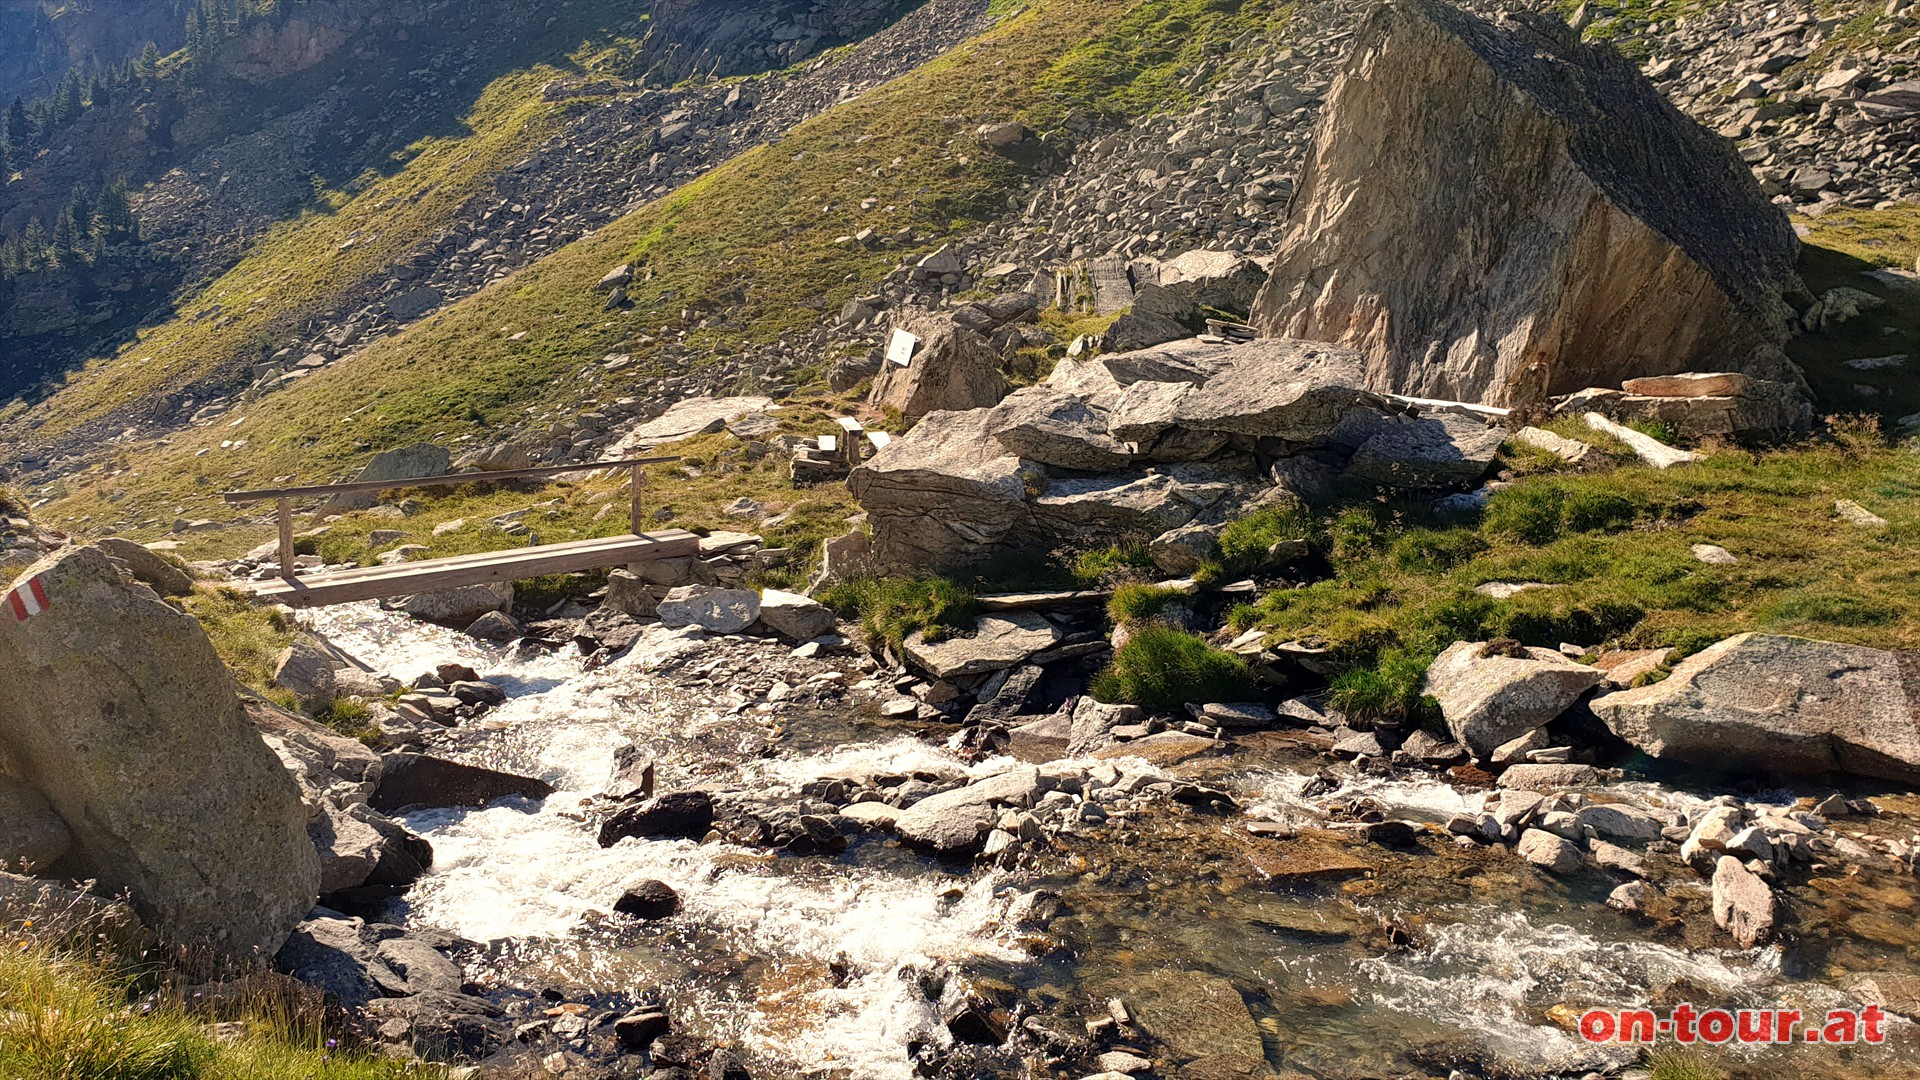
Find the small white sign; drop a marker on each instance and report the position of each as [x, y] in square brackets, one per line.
[829, 443]
[879, 439]
[900, 348]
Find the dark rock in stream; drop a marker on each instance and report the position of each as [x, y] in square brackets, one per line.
[687, 814]
[648, 899]
[420, 780]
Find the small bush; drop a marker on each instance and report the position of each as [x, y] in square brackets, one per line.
[1354, 535]
[1543, 511]
[1655, 429]
[1390, 691]
[1858, 434]
[1435, 551]
[1163, 669]
[1106, 564]
[892, 609]
[1245, 541]
[1139, 603]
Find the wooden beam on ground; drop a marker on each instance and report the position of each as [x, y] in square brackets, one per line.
[376, 582]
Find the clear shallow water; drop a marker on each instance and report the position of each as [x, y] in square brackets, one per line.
[814, 963]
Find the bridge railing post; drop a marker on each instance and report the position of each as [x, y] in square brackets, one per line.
[286, 539]
[634, 487]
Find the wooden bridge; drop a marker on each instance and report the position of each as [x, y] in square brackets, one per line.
[374, 582]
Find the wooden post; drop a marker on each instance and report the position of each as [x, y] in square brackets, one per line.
[286, 539]
[635, 492]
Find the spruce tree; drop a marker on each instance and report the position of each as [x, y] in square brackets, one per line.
[19, 127]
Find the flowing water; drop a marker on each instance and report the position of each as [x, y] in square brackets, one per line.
[819, 965]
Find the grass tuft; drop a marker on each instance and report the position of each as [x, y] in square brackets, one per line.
[1163, 669]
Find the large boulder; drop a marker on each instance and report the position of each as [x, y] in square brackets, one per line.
[1053, 427]
[1493, 692]
[1780, 705]
[951, 367]
[1284, 388]
[943, 492]
[1498, 212]
[405, 463]
[1225, 280]
[120, 712]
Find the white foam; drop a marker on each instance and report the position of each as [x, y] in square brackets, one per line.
[534, 873]
[1495, 970]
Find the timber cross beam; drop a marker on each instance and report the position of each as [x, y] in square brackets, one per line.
[368, 583]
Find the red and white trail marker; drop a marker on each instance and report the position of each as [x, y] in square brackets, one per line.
[28, 600]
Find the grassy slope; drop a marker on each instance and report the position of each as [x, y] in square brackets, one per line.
[306, 265]
[744, 254]
[71, 1018]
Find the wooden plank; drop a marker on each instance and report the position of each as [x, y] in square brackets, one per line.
[374, 582]
[436, 481]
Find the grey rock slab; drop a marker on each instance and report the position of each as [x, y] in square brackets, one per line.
[1439, 450]
[1056, 428]
[716, 610]
[955, 823]
[685, 419]
[1779, 705]
[998, 641]
[1189, 361]
[1146, 410]
[1283, 388]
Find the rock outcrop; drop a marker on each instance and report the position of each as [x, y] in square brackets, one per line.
[1782, 706]
[1153, 443]
[1497, 212]
[119, 711]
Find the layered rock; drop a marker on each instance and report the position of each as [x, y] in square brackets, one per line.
[120, 712]
[1781, 706]
[945, 490]
[1700, 405]
[1499, 213]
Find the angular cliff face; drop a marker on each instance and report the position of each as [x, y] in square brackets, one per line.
[1500, 213]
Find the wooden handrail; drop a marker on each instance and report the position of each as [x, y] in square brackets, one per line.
[285, 496]
[435, 481]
